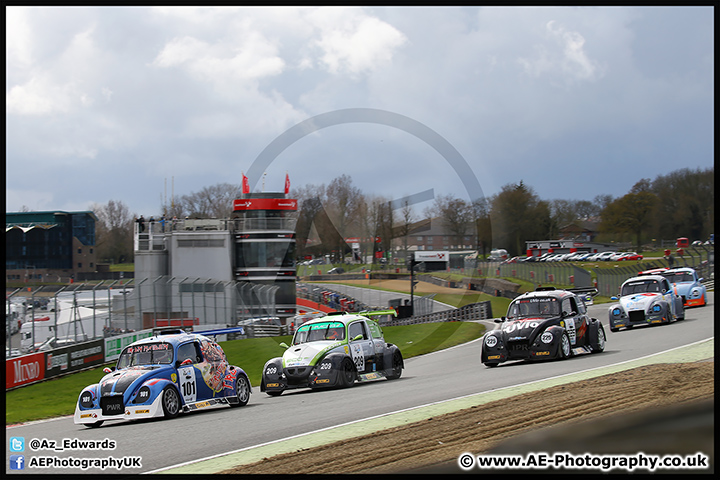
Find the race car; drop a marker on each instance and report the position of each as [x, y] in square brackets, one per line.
[544, 324]
[162, 375]
[333, 351]
[645, 300]
[687, 284]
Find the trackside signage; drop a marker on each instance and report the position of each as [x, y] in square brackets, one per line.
[432, 256]
[264, 204]
[115, 345]
[39, 366]
[73, 358]
[24, 370]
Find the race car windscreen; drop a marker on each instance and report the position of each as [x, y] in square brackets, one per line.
[534, 307]
[319, 331]
[640, 287]
[146, 354]
[679, 277]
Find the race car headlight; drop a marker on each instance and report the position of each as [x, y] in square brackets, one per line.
[546, 337]
[656, 308]
[616, 312]
[491, 340]
[695, 292]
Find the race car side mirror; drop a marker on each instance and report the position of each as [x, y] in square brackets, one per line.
[499, 320]
[108, 369]
[613, 298]
[283, 345]
[357, 337]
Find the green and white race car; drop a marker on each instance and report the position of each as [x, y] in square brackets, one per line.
[333, 351]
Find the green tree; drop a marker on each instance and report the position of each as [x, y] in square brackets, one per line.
[686, 204]
[631, 213]
[518, 216]
[483, 225]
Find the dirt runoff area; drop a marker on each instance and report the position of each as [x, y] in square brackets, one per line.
[664, 409]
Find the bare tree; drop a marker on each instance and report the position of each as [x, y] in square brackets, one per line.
[456, 216]
[406, 220]
[211, 202]
[113, 232]
[342, 204]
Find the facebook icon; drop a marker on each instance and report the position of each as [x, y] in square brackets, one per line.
[17, 462]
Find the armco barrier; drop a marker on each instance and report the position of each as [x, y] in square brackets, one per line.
[467, 313]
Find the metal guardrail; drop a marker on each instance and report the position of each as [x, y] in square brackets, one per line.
[467, 313]
[252, 331]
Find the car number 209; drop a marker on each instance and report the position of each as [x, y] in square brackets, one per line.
[358, 357]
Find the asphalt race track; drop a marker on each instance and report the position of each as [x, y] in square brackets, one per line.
[158, 445]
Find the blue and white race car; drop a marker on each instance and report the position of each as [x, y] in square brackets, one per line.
[162, 375]
[688, 285]
[645, 300]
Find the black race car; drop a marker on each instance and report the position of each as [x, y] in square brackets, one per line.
[544, 324]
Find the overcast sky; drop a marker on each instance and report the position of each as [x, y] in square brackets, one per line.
[133, 104]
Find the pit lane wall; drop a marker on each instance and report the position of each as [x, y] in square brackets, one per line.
[40, 366]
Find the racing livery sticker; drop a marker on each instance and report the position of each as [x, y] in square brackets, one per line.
[188, 386]
[358, 357]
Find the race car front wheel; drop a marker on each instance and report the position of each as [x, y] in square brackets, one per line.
[564, 349]
[170, 402]
[396, 366]
[347, 373]
[599, 345]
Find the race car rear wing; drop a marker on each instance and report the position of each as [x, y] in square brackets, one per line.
[592, 291]
[389, 311]
[221, 331]
[174, 331]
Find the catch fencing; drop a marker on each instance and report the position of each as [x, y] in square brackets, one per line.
[467, 313]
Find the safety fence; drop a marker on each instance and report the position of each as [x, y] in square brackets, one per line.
[467, 313]
[332, 298]
[49, 317]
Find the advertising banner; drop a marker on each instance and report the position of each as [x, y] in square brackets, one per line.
[24, 370]
[264, 204]
[73, 358]
[114, 345]
[432, 256]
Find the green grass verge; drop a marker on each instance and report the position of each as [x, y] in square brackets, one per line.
[57, 397]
